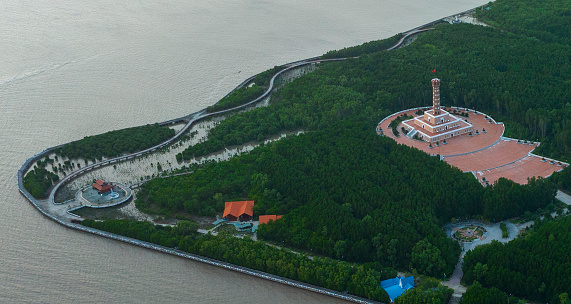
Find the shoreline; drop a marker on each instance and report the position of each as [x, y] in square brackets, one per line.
[190, 120]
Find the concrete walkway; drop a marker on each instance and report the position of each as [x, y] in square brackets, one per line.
[493, 232]
[564, 197]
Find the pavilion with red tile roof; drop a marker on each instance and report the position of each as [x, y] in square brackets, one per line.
[239, 211]
[264, 219]
[102, 186]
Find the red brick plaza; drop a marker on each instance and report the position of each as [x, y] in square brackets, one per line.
[485, 153]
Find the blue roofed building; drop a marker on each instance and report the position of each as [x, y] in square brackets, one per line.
[397, 286]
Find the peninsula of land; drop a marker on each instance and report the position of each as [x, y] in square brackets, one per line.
[336, 208]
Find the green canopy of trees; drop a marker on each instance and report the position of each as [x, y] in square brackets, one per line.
[239, 97]
[38, 181]
[163, 235]
[437, 295]
[505, 75]
[547, 20]
[116, 143]
[365, 48]
[563, 179]
[346, 193]
[476, 294]
[536, 266]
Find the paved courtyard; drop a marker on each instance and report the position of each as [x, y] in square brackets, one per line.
[91, 198]
[488, 154]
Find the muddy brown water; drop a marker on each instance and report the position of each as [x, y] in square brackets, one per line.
[71, 69]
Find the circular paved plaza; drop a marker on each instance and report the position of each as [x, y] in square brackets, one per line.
[89, 197]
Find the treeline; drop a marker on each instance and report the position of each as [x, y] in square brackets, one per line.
[360, 280]
[365, 48]
[162, 235]
[116, 143]
[498, 73]
[263, 79]
[563, 179]
[417, 295]
[237, 98]
[476, 294]
[548, 20]
[536, 266]
[506, 199]
[39, 180]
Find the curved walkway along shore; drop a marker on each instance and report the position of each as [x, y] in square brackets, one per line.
[59, 213]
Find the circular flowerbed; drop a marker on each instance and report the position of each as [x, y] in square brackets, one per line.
[469, 233]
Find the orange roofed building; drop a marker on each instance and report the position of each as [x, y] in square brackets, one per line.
[239, 211]
[102, 186]
[264, 219]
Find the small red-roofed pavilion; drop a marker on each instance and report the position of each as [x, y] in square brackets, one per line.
[264, 219]
[239, 211]
[102, 186]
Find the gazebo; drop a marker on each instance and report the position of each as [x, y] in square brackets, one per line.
[102, 186]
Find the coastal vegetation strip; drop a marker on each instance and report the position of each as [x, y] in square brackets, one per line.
[116, 143]
[39, 180]
[110, 144]
[237, 98]
[360, 280]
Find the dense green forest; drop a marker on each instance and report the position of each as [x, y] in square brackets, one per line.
[536, 266]
[335, 188]
[547, 20]
[502, 74]
[506, 199]
[476, 294]
[360, 280]
[239, 97]
[116, 143]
